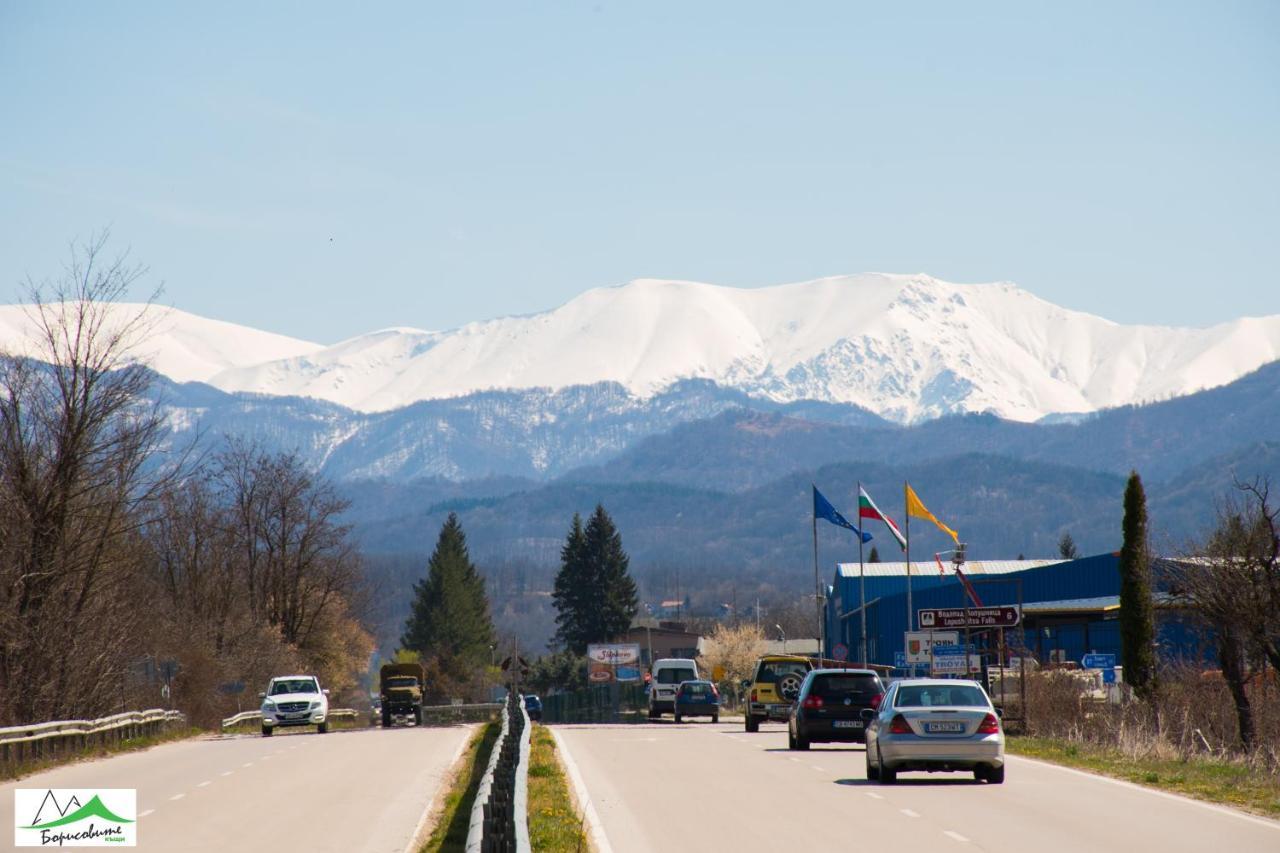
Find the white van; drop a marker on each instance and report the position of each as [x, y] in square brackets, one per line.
[665, 677]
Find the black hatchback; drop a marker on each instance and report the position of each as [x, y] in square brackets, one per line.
[829, 707]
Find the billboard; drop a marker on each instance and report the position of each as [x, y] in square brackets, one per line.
[610, 662]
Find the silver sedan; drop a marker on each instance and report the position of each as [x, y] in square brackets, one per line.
[935, 724]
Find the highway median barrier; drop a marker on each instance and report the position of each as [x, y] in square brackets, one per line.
[499, 814]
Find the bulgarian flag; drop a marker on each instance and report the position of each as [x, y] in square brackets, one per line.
[867, 509]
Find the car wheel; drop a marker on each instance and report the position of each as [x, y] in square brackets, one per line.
[887, 774]
[802, 743]
[266, 731]
[715, 718]
[677, 718]
[753, 724]
[789, 686]
[417, 716]
[386, 719]
[791, 739]
[873, 772]
[653, 715]
[322, 728]
[995, 775]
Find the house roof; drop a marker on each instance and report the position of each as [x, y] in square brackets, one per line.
[927, 566]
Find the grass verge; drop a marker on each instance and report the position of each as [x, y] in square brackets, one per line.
[27, 768]
[450, 832]
[553, 823]
[1213, 780]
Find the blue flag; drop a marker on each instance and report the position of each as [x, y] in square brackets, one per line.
[822, 508]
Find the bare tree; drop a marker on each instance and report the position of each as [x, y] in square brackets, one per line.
[76, 433]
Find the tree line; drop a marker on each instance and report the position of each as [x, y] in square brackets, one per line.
[127, 564]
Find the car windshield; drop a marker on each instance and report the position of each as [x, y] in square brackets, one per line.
[294, 685]
[675, 676]
[531, 701]
[694, 687]
[940, 695]
[853, 686]
[406, 681]
[770, 671]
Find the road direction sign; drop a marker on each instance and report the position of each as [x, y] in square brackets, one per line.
[1098, 661]
[900, 660]
[948, 651]
[840, 651]
[969, 617]
[1109, 676]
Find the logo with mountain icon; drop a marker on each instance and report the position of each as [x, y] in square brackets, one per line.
[68, 817]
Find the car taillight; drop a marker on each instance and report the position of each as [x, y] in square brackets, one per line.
[990, 725]
[812, 702]
[899, 726]
[753, 695]
[875, 700]
[715, 692]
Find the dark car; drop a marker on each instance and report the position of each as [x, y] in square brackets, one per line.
[830, 707]
[533, 706]
[697, 699]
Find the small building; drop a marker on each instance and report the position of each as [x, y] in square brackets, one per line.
[662, 639]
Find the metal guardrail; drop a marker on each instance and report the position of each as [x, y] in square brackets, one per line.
[50, 740]
[500, 814]
[246, 716]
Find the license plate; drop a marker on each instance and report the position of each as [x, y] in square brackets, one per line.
[846, 724]
[948, 727]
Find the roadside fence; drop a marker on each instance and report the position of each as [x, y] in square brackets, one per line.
[500, 813]
[601, 703]
[250, 716]
[56, 739]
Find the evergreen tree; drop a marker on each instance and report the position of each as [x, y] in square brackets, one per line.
[875, 555]
[1067, 547]
[595, 596]
[449, 622]
[1137, 613]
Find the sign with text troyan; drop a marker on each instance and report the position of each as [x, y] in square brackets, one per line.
[919, 643]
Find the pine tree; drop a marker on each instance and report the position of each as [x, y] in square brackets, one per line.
[1067, 547]
[449, 621]
[1137, 613]
[595, 596]
[875, 555]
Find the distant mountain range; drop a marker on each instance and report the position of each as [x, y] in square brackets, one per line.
[905, 347]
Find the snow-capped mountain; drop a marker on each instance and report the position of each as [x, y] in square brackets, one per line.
[908, 347]
[182, 346]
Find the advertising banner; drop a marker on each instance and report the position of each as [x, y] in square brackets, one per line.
[610, 662]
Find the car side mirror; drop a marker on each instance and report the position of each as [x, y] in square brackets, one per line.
[262, 696]
[325, 692]
[868, 714]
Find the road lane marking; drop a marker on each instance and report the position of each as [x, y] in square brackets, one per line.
[177, 797]
[206, 783]
[227, 772]
[594, 827]
[797, 761]
[873, 795]
[909, 813]
[957, 836]
[819, 769]
[1270, 824]
[147, 812]
[247, 764]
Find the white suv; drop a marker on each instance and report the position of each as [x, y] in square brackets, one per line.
[294, 700]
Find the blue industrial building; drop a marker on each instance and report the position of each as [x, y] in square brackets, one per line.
[1069, 607]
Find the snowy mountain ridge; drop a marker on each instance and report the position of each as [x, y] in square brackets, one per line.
[908, 347]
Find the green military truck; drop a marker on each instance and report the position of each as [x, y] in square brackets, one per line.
[400, 687]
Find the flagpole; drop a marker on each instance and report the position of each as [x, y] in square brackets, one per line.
[862, 581]
[817, 589]
[906, 512]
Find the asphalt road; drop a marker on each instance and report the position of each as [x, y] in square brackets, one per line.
[353, 791]
[704, 786]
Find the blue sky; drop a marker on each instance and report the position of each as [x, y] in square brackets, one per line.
[324, 172]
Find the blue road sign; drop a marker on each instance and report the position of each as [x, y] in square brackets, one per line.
[1097, 661]
[949, 651]
[1109, 676]
[900, 660]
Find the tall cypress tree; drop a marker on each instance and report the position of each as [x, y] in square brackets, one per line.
[595, 596]
[450, 620]
[1137, 613]
[572, 592]
[618, 598]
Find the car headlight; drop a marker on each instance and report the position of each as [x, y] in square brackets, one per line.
[268, 705]
[315, 705]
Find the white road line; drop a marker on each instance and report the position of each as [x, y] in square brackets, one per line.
[797, 761]
[247, 764]
[594, 827]
[1271, 824]
[227, 772]
[909, 813]
[147, 812]
[957, 836]
[206, 783]
[177, 797]
[873, 795]
[819, 769]
[431, 805]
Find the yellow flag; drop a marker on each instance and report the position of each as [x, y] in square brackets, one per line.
[917, 509]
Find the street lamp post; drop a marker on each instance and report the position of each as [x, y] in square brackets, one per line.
[783, 635]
